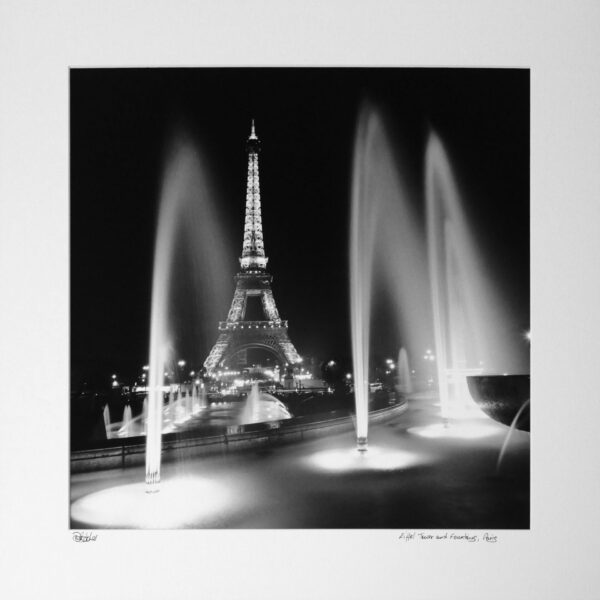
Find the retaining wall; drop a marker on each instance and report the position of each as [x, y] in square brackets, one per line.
[127, 452]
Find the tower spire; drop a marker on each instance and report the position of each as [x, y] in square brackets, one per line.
[253, 249]
[239, 334]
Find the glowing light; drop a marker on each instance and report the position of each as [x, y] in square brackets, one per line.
[180, 503]
[527, 335]
[331, 363]
[181, 363]
[146, 367]
[375, 458]
[348, 375]
[456, 430]
[114, 376]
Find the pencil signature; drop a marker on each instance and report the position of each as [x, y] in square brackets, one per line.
[81, 536]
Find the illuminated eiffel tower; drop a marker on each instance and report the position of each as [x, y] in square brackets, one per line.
[237, 334]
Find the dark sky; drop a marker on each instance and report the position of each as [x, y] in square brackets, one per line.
[121, 120]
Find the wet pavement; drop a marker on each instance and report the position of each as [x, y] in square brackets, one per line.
[415, 475]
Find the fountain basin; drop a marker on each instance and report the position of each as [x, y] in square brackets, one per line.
[128, 452]
[501, 397]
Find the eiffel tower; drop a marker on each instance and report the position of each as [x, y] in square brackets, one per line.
[238, 334]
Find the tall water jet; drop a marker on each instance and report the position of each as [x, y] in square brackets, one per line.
[195, 399]
[145, 414]
[180, 408]
[159, 343]
[106, 416]
[470, 323]
[403, 370]
[126, 426]
[387, 250]
[186, 219]
[188, 403]
[362, 230]
[171, 406]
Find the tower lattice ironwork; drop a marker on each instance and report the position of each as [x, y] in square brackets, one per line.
[237, 334]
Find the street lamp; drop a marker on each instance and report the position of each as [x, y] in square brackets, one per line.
[181, 364]
[429, 357]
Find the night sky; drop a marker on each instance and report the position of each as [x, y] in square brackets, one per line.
[121, 120]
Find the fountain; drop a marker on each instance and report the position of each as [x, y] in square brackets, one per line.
[260, 407]
[435, 268]
[180, 407]
[195, 400]
[106, 416]
[186, 221]
[189, 411]
[171, 407]
[504, 398]
[145, 413]
[386, 250]
[471, 325]
[387, 255]
[203, 397]
[124, 431]
[404, 379]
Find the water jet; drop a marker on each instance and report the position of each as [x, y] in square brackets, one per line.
[471, 325]
[186, 220]
[386, 250]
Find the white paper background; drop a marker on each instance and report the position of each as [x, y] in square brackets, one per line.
[559, 41]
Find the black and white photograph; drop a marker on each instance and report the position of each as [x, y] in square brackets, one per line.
[300, 298]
